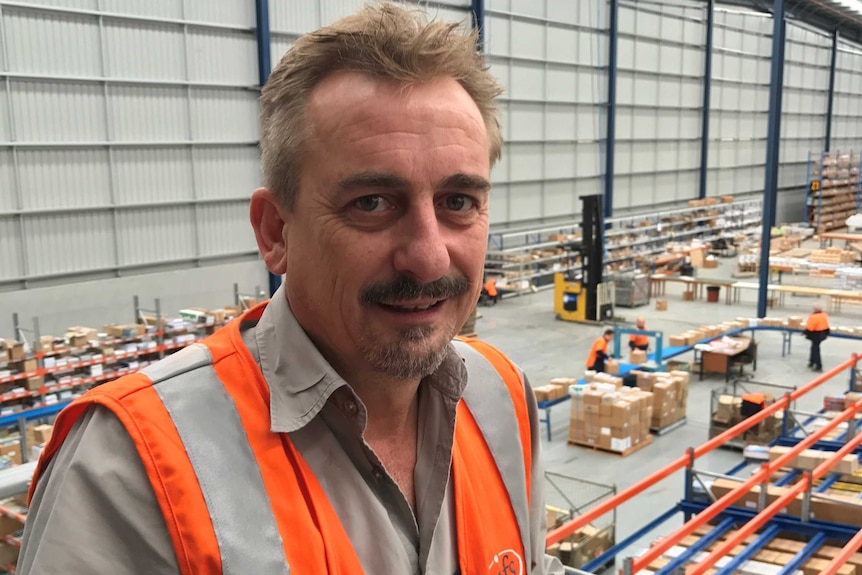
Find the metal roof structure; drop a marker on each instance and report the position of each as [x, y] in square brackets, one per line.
[828, 15]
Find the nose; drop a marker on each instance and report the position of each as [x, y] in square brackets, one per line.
[422, 251]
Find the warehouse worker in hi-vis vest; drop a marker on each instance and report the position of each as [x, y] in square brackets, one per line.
[337, 428]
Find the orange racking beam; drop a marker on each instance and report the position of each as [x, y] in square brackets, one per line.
[762, 475]
[559, 533]
[844, 555]
[776, 506]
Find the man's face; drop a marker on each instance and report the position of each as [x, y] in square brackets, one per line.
[385, 246]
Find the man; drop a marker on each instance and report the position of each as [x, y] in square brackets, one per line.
[639, 340]
[490, 290]
[599, 352]
[317, 433]
[816, 330]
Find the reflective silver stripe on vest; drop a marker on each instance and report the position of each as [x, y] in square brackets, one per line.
[492, 407]
[217, 446]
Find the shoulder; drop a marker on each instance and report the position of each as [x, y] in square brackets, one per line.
[505, 367]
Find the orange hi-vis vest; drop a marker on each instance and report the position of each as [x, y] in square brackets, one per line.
[818, 321]
[239, 499]
[639, 340]
[600, 344]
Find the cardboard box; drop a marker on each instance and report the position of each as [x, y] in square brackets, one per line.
[34, 383]
[125, 331]
[29, 365]
[42, 433]
[637, 356]
[816, 565]
[612, 366]
[14, 349]
[661, 305]
[677, 340]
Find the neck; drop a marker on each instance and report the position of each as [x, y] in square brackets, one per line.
[392, 406]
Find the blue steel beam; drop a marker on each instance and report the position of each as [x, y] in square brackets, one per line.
[611, 553]
[692, 551]
[750, 550]
[773, 142]
[611, 136]
[477, 13]
[830, 102]
[830, 481]
[264, 66]
[707, 92]
[785, 522]
[788, 478]
[804, 554]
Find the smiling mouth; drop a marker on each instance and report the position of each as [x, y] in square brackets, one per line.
[412, 308]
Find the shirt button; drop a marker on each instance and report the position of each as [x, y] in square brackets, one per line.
[350, 407]
[377, 473]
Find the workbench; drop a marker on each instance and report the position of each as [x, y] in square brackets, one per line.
[693, 286]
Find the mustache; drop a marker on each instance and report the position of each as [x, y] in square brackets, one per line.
[405, 288]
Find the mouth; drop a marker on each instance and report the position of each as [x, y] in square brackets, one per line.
[411, 307]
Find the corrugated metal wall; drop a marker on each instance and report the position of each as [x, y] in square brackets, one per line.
[740, 102]
[288, 20]
[659, 103]
[128, 135]
[551, 57]
[847, 116]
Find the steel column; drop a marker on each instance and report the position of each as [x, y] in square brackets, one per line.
[264, 66]
[830, 102]
[773, 142]
[477, 13]
[610, 136]
[707, 92]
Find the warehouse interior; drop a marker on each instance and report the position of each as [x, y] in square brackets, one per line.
[693, 163]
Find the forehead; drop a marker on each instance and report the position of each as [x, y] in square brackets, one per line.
[357, 112]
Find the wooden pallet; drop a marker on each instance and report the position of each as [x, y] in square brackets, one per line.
[646, 441]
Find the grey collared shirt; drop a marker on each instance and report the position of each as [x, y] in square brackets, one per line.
[94, 510]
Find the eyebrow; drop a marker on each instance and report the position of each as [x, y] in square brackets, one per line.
[387, 181]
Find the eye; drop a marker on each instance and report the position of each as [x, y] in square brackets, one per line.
[371, 204]
[459, 202]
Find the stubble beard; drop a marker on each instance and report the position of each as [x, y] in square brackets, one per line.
[415, 354]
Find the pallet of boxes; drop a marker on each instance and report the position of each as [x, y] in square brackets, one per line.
[669, 396]
[728, 413]
[607, 416]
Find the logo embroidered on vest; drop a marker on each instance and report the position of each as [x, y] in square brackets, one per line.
[506, 562]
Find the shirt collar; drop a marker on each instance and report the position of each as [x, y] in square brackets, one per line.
[300, 379]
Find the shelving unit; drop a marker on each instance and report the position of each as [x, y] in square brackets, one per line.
[834, 190]
[40, 371]
[632, 241]
[526, 259]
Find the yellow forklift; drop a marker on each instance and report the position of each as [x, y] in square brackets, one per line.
[581, 295]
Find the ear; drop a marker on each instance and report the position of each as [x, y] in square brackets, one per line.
[268, 222]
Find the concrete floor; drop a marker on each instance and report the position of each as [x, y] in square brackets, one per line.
[525, 328]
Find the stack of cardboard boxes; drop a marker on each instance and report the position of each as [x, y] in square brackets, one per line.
[728, 412]
[556, 389]
[670, 395]
[610, 417]
[583, 545]
[706, 332]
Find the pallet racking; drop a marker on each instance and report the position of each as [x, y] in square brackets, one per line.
[758, 512]
[834, 189]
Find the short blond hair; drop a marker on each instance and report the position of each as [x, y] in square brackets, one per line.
[385, 41]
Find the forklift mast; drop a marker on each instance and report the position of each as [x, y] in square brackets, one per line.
[592, 259]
